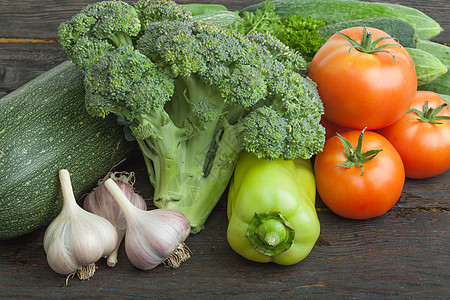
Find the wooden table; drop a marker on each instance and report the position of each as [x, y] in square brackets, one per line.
[402, 254]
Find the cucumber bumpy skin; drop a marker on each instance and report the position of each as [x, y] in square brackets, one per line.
[441, 84]
[428, 67]
[426, 27]
[335, 11]
[399, 29]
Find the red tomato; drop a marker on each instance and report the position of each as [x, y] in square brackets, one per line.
[330, 128]
[423, 146]
[350, 193]
[360, 89]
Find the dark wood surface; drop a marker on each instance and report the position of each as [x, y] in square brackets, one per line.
[402, 254]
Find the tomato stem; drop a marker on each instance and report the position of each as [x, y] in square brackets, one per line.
[355, 157]
[429, 114]
[367, 45]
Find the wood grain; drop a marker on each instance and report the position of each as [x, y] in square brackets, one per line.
[402, 254]
[21, 62]
[40, 19]
[391, 256]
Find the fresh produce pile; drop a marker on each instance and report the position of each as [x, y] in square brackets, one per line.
[277, 102]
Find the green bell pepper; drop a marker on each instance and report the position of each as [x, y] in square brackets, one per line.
[271, 210]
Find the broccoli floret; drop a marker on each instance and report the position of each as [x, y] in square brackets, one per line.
[195, 95]
[266, 133]
[97, 29]
[126, 82]
[160, 10]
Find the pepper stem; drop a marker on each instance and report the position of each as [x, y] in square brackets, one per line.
[270, 233]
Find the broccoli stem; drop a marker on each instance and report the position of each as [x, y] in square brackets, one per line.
[190, 170]
[187, 189]
[120, 39]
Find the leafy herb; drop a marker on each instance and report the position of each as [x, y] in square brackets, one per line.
[300, 33]
[297, 32]
[265, 20]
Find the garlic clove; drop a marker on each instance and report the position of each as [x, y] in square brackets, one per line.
[157, 235]
[152, 237]
[76, 239]
[101, 202]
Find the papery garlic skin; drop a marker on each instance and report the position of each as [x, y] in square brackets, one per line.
[76, 238]
[101, 202]
[155, 236]
[151, 236]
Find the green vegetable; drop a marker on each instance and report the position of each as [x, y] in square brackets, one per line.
[401, 30]
[300, 33]
[271, 210]
[335, 11]
[262, 20]
[194, 95]
[103, 26]
[44, 127]
[220, 18]
[445, 97]
[199, 9]
[428, 67]
[426, 27]
[441, 84]
[332, 11]
[296, 32]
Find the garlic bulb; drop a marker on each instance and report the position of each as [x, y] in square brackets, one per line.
[100, 202]
[76, 239]
[152, 237]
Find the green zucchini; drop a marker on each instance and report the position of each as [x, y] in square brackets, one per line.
[399, 29]
[219, 18]
[442, 52]
[426, 27]
[44, 127]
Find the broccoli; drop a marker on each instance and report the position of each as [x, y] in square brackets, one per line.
[194, 96]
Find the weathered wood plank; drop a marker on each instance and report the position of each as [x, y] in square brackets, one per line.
[21, 62]
[392, 256]
[40, 19]
[402, 254]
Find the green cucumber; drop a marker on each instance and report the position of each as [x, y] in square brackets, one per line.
[199, 9]
[439, 85]
[219, 18]
[428, 67]
[442, 52]
[426, 27]
[44, 127]
[333, 11]
[445, 97]
[399, 29]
